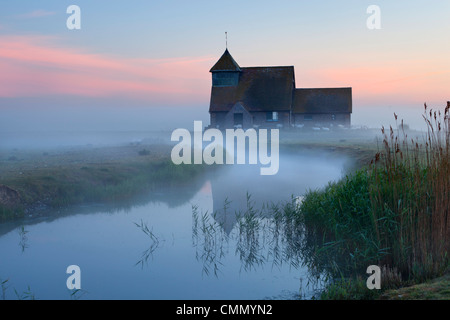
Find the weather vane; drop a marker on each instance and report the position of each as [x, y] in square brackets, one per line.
[226, 40]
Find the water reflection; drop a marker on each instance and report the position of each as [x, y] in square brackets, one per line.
[257, 212]
[254, 218]
[209, 240]
[271, 235]
[230, 234]
[298, 173]
[155, 243]
[23, 243]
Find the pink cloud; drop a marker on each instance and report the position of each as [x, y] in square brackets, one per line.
[394, 82]
[36, 66]
[37, 14]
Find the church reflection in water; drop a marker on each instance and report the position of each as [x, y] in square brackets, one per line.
[253, 216]
[248, 219]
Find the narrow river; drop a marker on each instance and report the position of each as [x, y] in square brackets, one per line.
[179, 247]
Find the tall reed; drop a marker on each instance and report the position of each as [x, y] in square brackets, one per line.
[409, 185]
[394, 213]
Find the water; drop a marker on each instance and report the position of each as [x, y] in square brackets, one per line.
[183, 258]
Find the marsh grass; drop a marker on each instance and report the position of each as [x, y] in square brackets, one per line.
[250, 236]
[209, 239]
[23, 243]
[270, 235]
[155, 243]
[410, 200]
[8, 213]
[77, 294]
[4, 287]
[348, 289]
[63, 186]
[394, 213]
[267, 235]
[337, 219]
[25, 295]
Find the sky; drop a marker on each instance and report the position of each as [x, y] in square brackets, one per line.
[134, 65]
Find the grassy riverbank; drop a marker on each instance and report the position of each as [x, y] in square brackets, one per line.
[39, 181]
[393, 213]
[35, 181]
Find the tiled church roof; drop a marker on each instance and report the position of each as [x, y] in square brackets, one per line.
[259, 89]
[322, 100]
[265, 89]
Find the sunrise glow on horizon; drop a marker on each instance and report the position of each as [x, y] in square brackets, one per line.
[160, 53]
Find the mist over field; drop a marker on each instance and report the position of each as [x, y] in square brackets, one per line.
[37, 126]
[29, 127]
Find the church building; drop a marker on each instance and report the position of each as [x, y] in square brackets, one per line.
[267, 97]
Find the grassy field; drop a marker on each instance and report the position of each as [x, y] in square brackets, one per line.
[46, 180]
[55, 178]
